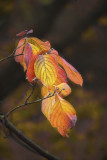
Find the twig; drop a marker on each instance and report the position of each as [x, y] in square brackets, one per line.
[12, 55]
[26, 140]
[29, 103]
[26, 101]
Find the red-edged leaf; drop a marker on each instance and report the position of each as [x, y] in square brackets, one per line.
[21, 34]
[61, 76]
[72, 73]
[20, 58]
[35, 48]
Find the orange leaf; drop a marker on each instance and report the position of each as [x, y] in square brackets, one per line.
[62, 116]
[72, 73]
[46, 69]
[47, 105]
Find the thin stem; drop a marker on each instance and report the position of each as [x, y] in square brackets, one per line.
[27, 99]
[26, 140]
[29, 103]
[12, 55]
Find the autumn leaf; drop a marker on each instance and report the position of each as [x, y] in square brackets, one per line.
[33, 47]
[61, 114]
[61, 76]
[72, 73]
[30, 74]
[21, 34]
[41, 47]
[37, 47]
[24, 33]
[47, 105]
[42, 63]
[30, 58]
[19, 50]
[53, 52]
[46, 69]
[27, 53]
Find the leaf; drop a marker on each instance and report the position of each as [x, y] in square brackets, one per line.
[61, 76]
[64, 88]
[53, 51]
[41, 47]
[72, 73]
[21, 34]
[47, 105]
[27, 53]
[19, 51]
[62, 116]
[30, 57]
[37, 46]
[30, 74]
[45, 68]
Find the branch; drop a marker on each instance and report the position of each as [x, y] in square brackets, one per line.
[33, 146]
[29, 103]
[12, 55]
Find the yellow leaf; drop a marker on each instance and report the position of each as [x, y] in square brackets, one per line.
[40, 45]
[45, 68]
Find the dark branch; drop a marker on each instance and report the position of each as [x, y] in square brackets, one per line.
[33, 146]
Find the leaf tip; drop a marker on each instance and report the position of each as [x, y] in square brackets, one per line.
[74, 120]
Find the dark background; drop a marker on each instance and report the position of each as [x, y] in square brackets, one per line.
[78, 30]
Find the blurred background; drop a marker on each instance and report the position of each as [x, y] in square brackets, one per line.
[78, 30]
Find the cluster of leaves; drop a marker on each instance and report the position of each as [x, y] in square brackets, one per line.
[43, 63]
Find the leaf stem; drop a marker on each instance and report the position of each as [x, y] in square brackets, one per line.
[29, 103]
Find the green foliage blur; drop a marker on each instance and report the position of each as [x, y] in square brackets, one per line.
[54, 21]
